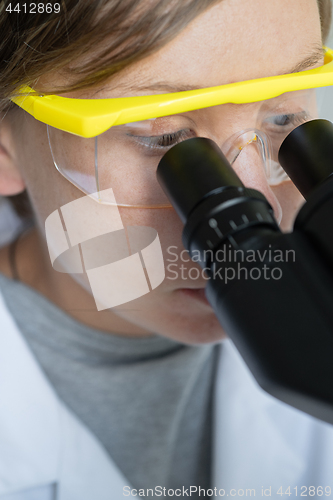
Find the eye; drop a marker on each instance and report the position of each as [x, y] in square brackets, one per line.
[161, 143]
[288, 120]
[283, 120]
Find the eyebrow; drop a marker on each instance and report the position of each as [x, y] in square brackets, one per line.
[310, 60]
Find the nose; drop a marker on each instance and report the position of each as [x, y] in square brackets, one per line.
[251, 168]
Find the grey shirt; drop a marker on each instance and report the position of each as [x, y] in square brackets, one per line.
[147, 400]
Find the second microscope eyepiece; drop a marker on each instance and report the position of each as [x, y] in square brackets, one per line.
[306, 155]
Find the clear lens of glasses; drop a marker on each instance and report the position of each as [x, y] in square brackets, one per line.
[125, 157]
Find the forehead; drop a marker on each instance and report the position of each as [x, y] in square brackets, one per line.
[234, 40]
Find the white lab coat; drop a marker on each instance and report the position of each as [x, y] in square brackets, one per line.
[47, 453]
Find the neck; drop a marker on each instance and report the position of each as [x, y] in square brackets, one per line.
[30, 260]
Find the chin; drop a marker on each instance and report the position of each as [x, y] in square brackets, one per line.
[192, 320]
[210, 332]
[184, 318]
[181, 314]
[195, 329]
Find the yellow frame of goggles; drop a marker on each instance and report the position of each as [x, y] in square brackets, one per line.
[91, 117]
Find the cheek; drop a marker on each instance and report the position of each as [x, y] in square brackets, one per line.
[48, 189]
[165, 221]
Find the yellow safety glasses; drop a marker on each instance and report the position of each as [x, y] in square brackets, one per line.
[91, 117]
[117, 143]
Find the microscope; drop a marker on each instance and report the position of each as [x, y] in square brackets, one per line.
[281, 319]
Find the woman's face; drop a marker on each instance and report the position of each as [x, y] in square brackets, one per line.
[233, 41]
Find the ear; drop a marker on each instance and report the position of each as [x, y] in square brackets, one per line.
[11, 180]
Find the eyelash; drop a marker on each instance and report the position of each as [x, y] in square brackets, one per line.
[294, 119]
[165, 141]
[161, 143]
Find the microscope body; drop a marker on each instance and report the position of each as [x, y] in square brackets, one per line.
[281, 320]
